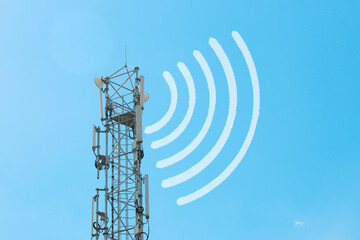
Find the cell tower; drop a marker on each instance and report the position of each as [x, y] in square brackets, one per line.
[117, 208]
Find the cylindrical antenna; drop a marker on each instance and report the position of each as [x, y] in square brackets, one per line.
[93, 137]
[99, 83]
[101, 105]
[92, 216]
[138, 124]
[138, 112]
[142, 99]
[147, 196]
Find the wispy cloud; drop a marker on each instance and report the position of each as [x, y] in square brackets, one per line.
[298, 223]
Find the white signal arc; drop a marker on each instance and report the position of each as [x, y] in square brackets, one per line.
[255, 116]
[204, 162]
[170, 112]
[205, 128]
[192, 99]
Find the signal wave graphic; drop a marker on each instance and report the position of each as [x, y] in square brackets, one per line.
[216, 149]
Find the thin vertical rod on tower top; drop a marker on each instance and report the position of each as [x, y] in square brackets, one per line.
[125, 54]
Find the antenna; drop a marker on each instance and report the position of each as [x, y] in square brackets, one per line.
[125, 54]
[93, 137]
[147, 196]
[142, 91]
[143, 95]
[117, 207]
[99, 83]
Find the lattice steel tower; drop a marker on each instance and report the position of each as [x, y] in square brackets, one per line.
[117, 208]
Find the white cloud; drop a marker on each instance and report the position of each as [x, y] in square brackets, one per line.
[298, 223]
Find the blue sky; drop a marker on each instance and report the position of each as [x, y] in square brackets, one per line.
[302, 165]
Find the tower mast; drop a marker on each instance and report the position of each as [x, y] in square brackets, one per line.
[117, 208]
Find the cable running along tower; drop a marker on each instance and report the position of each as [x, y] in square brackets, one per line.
[117, 208]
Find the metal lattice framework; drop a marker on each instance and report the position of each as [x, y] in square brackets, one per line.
[118, 205]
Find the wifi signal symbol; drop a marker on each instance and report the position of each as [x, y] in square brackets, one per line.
[216, 149]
